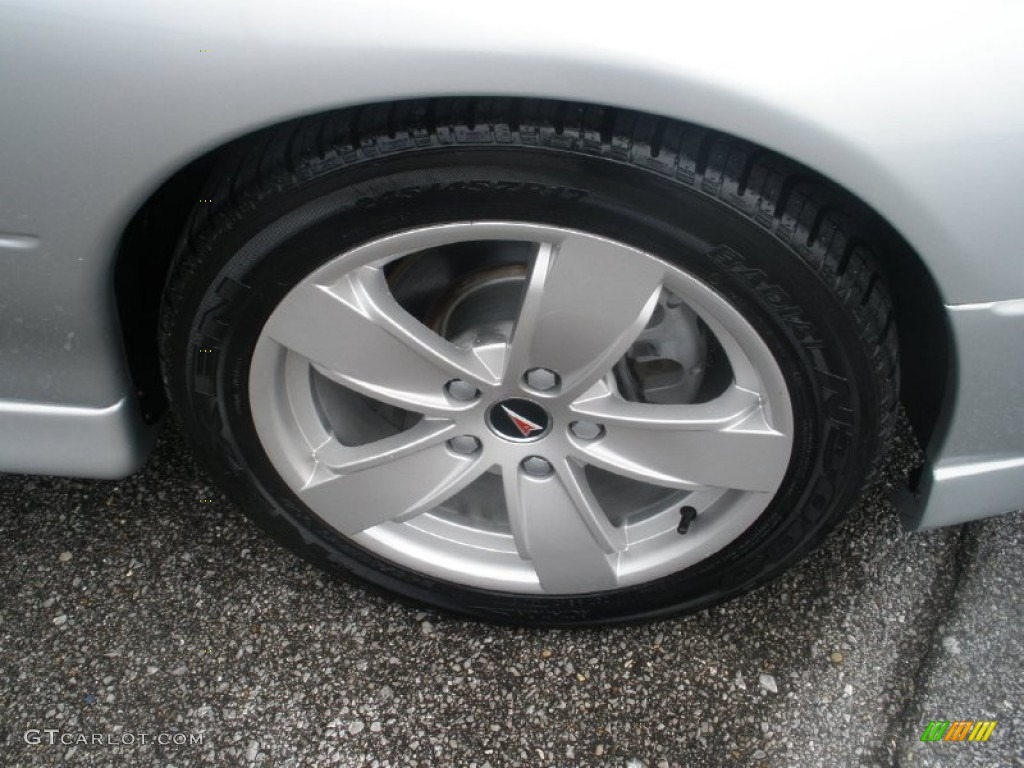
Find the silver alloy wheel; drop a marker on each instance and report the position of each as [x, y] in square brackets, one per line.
[585, 300]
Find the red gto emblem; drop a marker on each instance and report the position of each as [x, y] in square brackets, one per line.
[525, 426]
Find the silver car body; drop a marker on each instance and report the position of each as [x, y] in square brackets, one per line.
[915, 108]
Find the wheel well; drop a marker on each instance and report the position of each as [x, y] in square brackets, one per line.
[150, 239]
[143, 258]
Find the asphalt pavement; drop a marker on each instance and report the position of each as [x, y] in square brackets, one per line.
[147, 622]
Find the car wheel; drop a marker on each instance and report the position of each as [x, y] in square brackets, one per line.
[531, 362]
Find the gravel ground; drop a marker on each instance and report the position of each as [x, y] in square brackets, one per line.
[973, 670]
[150, 610]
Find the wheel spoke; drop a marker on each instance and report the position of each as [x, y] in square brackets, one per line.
[356, 334]
[586, 302]
[390, 480]
[346, 459]
[559, 527]
[724, 443]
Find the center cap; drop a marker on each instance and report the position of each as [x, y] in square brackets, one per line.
[519, 420]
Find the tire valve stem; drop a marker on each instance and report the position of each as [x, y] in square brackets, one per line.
[686, 516]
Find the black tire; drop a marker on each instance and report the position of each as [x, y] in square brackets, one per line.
[784, 247]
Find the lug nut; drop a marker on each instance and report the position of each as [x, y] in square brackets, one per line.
[542, 379]
[536, 466]
[586, 430]
[464, 444]
[462, 390]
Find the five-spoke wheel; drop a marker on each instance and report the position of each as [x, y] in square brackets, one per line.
[550, 450]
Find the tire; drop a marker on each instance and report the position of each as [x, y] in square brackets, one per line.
[531, 362]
